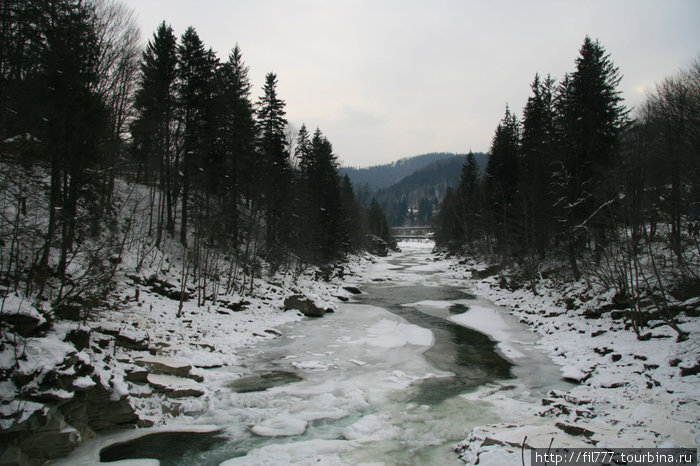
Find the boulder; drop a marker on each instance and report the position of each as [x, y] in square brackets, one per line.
[175, 387]
[24, 324]
[132, 338]
[304, 305]
[352, 289]
[164, 365]
[80, 337]
[95, 410]
[50, 444]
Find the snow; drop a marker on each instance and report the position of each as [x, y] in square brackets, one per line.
[120, 389]
[172, 382]
[629, 392]
[371, 428]
[280, 426]
[44, 354]
[392, 334]
[17, 305]
[489, 321]
[358, 363]
[320, 452]
[311, 365]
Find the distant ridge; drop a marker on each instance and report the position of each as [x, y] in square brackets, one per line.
[383, 176]
[413, 200]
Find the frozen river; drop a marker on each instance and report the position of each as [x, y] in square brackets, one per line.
[392, 377]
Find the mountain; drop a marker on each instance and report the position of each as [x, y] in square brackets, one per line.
[412, 200]
[383, 176]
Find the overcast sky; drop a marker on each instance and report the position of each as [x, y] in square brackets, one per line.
[390, 79]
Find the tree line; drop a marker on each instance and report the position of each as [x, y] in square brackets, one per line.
[224, 174]
[579, 189]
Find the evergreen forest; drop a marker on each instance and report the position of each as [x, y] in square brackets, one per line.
[579, 188]
[107, 147]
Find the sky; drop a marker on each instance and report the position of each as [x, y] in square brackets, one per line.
[387, 79]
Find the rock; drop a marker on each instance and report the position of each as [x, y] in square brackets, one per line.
[174, 387]
[378, 246]
[23, 324]
[166, 289]
[80, 337]
[132, 338]
[486, 273]
[95, 410]
[262, 381]
[164, 365]
[137, 375]
[574, 430]
[51, 444]
[686, 371]
[69, 311]
[304, 305]
[352, 289]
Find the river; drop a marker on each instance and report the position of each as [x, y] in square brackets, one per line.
[391, 377]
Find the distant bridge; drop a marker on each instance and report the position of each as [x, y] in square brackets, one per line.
[421, 233]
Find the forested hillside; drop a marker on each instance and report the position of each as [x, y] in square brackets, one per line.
[382, 176]
[581, 189]
[414, 199]
[88, 107]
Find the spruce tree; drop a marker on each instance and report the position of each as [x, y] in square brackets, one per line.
[153, 128]
[468, 202]
[274, 168]
[74, 115]
[235, 138]
[538, 144]
[196, 68]
[590, 121]
[502, 180]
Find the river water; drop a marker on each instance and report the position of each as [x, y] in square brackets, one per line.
[388, 378]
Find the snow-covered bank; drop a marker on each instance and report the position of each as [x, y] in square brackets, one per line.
[629, 393]
[139, 359]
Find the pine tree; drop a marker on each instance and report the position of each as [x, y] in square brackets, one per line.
[502, 179]
[353, 223]
[153, 129]
[235, 137]
[378, 225]
[328, 195]
[74, 115]
[196, 85]
[274, 168]
[590, 119]
[468, 197]
[538, 144]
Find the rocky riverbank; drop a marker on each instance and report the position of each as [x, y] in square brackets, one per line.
[629, 392]
[139, 360]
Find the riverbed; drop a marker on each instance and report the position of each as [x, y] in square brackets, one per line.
[394, 376]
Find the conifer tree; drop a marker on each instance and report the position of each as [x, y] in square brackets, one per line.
[274, 168]
[235, 137]
[502, 179]
[74, 115]
[153, 129]
[538, 144]
[468, 197]
[196, 68]
[590, 121]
